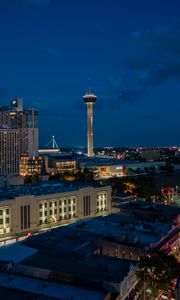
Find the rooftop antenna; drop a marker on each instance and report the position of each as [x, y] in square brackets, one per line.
[89, 84]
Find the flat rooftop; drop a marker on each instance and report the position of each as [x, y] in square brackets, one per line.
[98, 268]
[125, 229]
[11, 192]
[21, 287]
[121, 228]
[156, 209]
[101, 161]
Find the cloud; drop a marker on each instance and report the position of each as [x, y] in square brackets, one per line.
[153, 116]
[131, 94]
[4, 27]
[157, 55]
[29, 3]
[98, 27]
[154, 59]
[125, 90]
[51, 51]
[37, 2]
[28, 6]
[3, 93]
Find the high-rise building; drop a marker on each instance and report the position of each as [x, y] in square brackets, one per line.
[26, 121]
[9, 151]
[17, 104]
[89, 99]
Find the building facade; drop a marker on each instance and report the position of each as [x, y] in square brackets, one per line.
[123, 169]
[26, 122]
[20, 214]
[30, 166]
[60, 163]
[9, 151]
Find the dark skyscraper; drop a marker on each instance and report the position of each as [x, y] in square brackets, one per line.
[9, 151]
[26, 122]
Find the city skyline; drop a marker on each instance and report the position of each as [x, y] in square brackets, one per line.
[128, 53]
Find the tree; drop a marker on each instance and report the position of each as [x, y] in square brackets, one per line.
[33, 179]
[158, 271]
[85, 175]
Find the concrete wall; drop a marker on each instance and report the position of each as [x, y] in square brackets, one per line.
[14, 207]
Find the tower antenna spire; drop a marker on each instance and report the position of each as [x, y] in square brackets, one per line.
[89, 99]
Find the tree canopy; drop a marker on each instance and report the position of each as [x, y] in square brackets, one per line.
[158, 271]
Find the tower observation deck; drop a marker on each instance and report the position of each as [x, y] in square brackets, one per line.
[89, 99]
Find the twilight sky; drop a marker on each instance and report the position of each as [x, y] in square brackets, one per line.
[126, 51]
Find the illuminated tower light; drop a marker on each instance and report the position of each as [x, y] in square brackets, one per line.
[89, 99]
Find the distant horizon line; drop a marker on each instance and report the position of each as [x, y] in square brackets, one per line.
[112, 147]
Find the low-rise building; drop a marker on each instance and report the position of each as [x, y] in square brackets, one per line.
[60, 163]
[151, 154]
[30, 166]
[105, 168]
[29, 208]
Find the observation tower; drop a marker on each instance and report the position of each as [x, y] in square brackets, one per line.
[89, 99]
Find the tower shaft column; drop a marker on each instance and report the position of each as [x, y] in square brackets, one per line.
[89, 99]
[90, 128]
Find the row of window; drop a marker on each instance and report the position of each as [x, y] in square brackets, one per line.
[61, 202]
[45, 221]
[101, 202]
[101, 209]
[7, 211]
[51, 212]
[65, 167]
[6, 221]
[102, 196]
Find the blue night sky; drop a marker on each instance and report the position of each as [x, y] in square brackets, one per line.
[126, 51]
